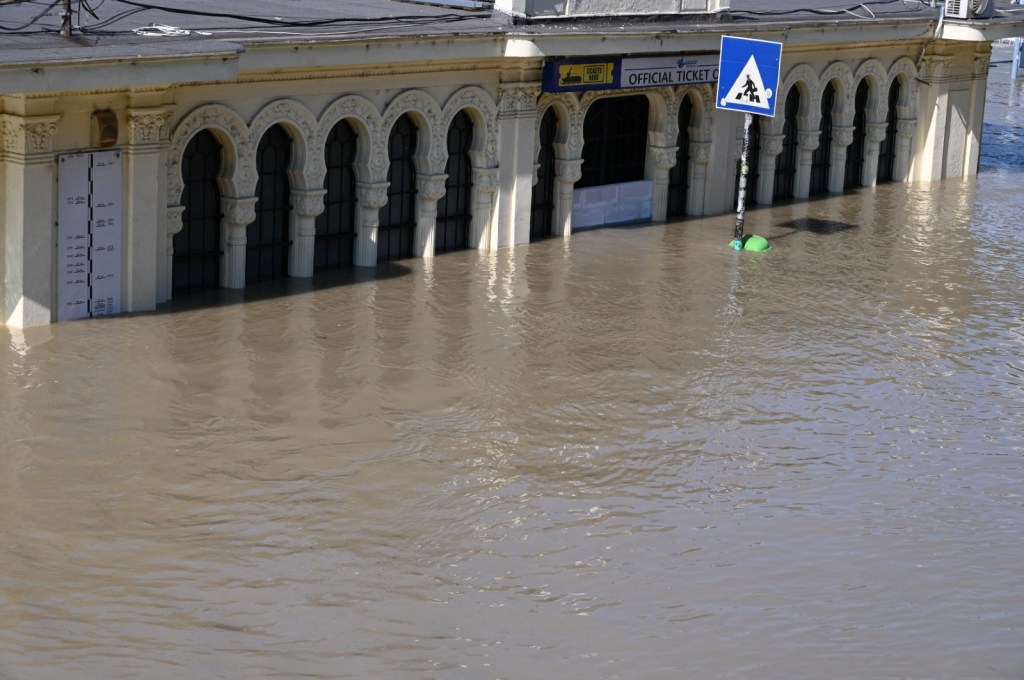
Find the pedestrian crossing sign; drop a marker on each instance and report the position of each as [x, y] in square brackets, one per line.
[748, 75]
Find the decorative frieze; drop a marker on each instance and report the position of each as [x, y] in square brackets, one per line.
[518, 100]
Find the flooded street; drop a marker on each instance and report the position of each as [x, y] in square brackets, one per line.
[636, 454]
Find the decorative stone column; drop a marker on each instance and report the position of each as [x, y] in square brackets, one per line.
[147, 181]
[485, 190]
[663, 159]
[517, 123]
[875, 137]
[771, 147]
[809, 141]
[174, 223]
[308, 204]
[371, 198]
[239, 213]
[569, 171]
[842, 138]
[29, 215]
[429, 190]
[700, 156]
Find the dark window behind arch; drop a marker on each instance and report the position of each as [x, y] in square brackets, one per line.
[855, 152]
[785, 165]
[266, 253]
[821, 158]
[454, 212]
[542, 206]
[335, 226]
[197, 249]
[887, 149]
[679, 175]
[615, 141]
[398, 217]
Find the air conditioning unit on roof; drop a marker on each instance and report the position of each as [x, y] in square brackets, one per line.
[970, 9]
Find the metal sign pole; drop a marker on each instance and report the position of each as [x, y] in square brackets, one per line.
[741, 197]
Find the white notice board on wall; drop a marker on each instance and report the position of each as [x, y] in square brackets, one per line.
[89, 235]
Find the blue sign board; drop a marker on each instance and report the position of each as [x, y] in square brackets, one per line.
[748, 75]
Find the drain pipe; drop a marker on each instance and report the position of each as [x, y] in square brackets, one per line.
[938, 32]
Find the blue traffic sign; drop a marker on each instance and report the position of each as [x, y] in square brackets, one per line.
[748, 75]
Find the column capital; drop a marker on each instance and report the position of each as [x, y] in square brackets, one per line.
[239, 212]
[935, 67]
[809, 139]
[700, 152]
[174, 219]
[842, 135]
[431, 187]
[771, 145]
[876, 132]
[664, 157]
[28, 136]
[309, 202]
[485, 179]
[569, 171]
[518, 100]
[372, 196]
[906, 127]
[147, 126]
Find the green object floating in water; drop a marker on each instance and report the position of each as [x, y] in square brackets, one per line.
[758, 244]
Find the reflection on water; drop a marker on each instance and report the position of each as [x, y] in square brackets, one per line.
[637, 455]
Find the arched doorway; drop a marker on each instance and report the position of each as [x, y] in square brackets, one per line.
[785, 167]
[679, 175]
[335, 227]
[542, 204]
[887, 149]
[267, 242]
[821, 159]
[454, 213]
[197, 247]
[855, 152]
[398, 218]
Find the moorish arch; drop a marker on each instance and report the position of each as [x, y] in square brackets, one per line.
[482, 108]
[307, 166]
[364, 118]
[806, 80]
[906, 71]
[233, 135]
[875, 73]
[841, 77]
[424, 111]
[563, 168]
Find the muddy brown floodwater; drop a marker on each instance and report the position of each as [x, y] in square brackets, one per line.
[638, 454]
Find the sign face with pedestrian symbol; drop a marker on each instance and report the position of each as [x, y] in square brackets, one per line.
[748, 75]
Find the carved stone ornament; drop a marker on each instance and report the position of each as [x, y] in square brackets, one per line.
[309, 203]
[936, 67]
[809, 140]
[842, 135]
[145, 126]
[372, 196]
[174, 219]
[239, 212]
[569, 171]
[229, 126]
[771, 145]
[431, 187]
[27, 136]
[302, 128]
[876, 132]
[664, 157]
[906, 127]
[485, 179]
[518, 100]
[485, 129]
[700, 152]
